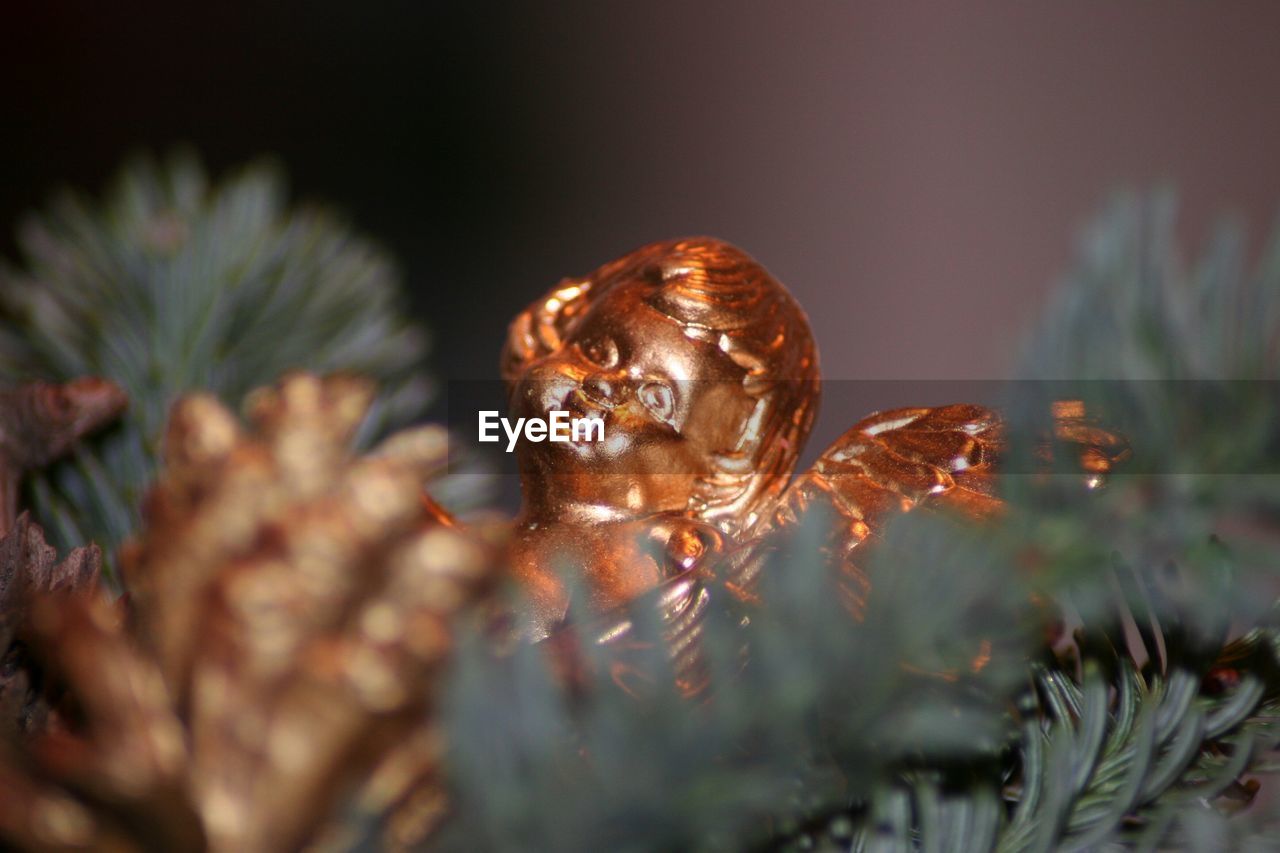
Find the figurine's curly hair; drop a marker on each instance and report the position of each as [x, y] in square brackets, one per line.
[721, 296]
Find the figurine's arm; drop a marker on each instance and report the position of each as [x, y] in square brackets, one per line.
[691, 554]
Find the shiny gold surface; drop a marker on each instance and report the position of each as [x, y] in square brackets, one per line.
[271, 681]
[706, 374]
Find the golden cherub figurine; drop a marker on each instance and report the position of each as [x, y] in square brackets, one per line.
[705, 373]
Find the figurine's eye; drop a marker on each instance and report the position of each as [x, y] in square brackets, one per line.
[658, 398]
[600, 351]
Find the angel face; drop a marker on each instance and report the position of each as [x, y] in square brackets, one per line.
[702, 367]
[670, 403]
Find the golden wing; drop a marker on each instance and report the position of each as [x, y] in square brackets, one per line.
[886, 464]
[892, 461]
[937, 459]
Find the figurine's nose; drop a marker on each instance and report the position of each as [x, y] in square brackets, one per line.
[598, 388]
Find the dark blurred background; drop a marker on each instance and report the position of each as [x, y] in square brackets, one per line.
[916, 172]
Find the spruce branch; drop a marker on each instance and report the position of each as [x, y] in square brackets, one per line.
[171, 283]
[833, 736]
[1185, 359]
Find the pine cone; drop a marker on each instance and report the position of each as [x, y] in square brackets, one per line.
[272, 684]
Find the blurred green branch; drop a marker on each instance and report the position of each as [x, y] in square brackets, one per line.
[171, 284]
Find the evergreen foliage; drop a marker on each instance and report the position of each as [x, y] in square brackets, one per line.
[813, 721]
[943, 720]
[171, 283]
[1131, 729]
